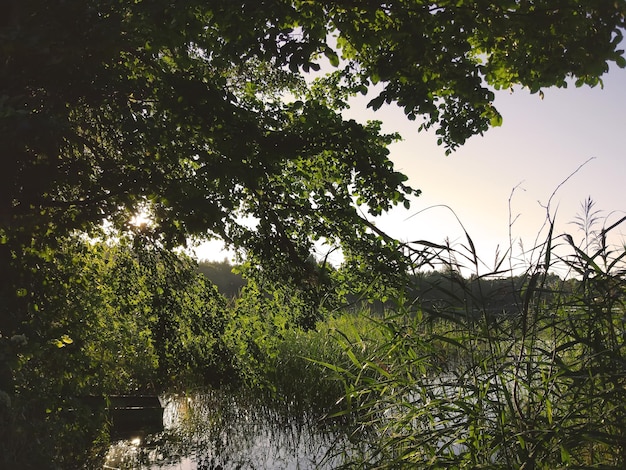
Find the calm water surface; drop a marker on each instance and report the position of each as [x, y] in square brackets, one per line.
[220, 430]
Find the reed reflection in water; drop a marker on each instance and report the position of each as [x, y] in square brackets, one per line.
[218, 429]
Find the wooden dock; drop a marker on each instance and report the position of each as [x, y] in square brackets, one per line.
[131, 416]
[134, 416]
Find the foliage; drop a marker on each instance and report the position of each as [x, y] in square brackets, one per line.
[299, 374]
[538, 387]
[183, 110]
[201, 113]
[114, 317]
[259, 322]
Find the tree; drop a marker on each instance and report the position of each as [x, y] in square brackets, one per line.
[201, 113]
[182, 108]
[104, 318]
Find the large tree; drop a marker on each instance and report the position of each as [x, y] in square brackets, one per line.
[203, 110]
[205, 113]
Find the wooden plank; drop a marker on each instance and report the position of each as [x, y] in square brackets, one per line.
[139, 401]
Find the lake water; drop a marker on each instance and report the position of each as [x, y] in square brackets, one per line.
[215, 430]
[219, 430]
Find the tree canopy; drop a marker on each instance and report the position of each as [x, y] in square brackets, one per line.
[204, 113]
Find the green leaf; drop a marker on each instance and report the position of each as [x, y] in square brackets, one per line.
[496, 119]
[332, 57]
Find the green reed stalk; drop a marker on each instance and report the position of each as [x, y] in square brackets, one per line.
[537, 384]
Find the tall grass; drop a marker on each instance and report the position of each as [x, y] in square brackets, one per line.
[541, 385]
[452, 378]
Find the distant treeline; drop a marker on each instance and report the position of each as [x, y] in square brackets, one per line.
[221, 274]
[433, 292]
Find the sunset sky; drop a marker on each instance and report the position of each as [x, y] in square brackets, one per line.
[540, 144]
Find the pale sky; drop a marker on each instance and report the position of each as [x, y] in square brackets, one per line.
[540, 144]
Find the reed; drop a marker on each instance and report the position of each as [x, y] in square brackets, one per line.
[538, 385]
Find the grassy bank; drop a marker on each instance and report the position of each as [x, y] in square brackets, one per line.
[538, 385]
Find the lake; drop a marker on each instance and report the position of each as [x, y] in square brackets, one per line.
[213, 430]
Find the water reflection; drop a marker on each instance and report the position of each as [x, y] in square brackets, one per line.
[215, 430]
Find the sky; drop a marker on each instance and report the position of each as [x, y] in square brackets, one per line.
[560, 150]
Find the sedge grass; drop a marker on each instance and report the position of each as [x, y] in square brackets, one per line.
[541, 386]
